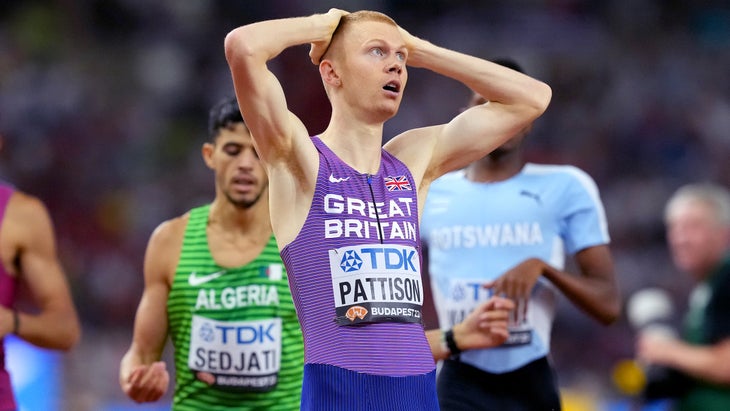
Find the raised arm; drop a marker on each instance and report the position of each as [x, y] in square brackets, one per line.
[281, 139]
[28, 225]
[515, 100]
[260, 95]
[142, 376]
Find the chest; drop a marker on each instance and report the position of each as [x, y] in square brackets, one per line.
[231, 251]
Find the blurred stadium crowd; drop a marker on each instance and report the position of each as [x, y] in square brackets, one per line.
[103, 107]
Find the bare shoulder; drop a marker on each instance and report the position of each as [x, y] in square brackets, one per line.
[26, 208]
[163, 250]
[169, 234]
[27, 221]
[415, 148]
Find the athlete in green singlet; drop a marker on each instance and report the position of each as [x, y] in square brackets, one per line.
[214, 282]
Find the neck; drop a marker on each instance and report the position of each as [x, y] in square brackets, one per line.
[357, 144]
[229, 217]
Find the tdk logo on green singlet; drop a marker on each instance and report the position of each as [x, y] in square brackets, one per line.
[379, 258]
[241, 335]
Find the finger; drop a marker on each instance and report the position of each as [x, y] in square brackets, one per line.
[525, 305]
[153, 376]
[509, 303]
[137, 374]
[491, 322]
[312, 56]
[494, 317]
[497, 303]
[501, 334]
[498, 306]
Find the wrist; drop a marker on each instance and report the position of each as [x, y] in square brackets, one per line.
[15, 322]
[451, 345]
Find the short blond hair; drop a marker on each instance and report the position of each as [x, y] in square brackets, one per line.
[349, 20]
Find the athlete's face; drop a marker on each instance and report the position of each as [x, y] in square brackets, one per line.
[239, 175]
[375, 67]
[696, 239]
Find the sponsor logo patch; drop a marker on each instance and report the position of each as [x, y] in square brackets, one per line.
[356, 312]
[334, 179]
[195, 280]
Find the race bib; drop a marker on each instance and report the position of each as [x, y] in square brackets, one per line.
[463, 296]
[237, 355]
[376, 283]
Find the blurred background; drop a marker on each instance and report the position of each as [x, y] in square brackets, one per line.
[103, 109]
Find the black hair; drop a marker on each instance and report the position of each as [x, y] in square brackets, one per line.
[509, 63]
[223, 114]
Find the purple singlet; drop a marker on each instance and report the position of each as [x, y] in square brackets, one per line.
[355, 272]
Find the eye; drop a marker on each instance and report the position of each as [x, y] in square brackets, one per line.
[377, 51]
[400, 56]
[232, 149]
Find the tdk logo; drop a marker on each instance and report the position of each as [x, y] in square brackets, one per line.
[457, 294]
[207, 333]
[247, 334]
[256, 334]
[351, 261]
[469, 291]
[380, 258]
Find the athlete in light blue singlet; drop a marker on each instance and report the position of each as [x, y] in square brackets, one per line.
[509, 224]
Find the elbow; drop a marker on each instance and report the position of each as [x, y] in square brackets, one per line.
[542, 94]
[232, 44]
[70, 337]
[610, 316]
[611, 313]
[237, 45]
[72, 340]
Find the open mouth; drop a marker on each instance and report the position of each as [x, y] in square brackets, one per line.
[392, 86]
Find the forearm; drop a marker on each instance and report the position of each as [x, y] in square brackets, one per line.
[59, 331]
[596, 296]
[493, 81]
[438, 348]
[267, 39]
[707, 363]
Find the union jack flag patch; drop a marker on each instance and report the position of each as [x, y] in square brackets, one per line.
[397, 183]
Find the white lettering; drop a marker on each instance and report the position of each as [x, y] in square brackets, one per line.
[490, 235]
[241, 296]
[336, 204]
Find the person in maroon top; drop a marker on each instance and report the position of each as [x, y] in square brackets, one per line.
[28, 253]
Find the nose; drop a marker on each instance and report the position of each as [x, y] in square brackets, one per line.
[396, 67]
[247, 159]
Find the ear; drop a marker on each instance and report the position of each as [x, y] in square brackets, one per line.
[329, 73]
[207, 152]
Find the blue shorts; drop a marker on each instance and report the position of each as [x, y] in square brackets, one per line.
[330, 388]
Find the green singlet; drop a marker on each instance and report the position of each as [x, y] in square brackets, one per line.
[238, 344]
